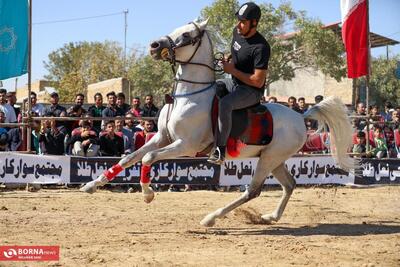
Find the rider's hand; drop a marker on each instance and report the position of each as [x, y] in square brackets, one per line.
[228, 66]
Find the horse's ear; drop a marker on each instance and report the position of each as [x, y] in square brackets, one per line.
[203, 24]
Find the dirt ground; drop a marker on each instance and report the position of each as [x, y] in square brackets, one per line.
[337, 226]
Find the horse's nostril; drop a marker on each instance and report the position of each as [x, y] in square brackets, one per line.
[155, 45]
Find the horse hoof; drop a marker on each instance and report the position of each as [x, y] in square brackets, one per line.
[148, 197]
[89, 188]
[208, 221]
[268, 218]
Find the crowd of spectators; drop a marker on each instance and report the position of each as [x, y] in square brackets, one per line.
[122, 130]
[375, 135]
[380, 130]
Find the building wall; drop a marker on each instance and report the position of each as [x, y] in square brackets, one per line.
[38, 87]
[308, 83]
[117, 85]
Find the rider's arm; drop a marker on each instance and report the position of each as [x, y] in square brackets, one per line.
[257, 79]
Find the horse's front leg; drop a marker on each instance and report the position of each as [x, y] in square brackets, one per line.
[124, 163]
[176, 149]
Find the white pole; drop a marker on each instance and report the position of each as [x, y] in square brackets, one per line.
[28, 129]
[126, 29]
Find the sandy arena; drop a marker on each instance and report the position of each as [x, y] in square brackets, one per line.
[336, 226]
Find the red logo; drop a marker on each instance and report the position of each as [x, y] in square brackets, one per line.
[29, 253]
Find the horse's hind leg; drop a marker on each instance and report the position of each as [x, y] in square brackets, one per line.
[253, 191]
[288, 184]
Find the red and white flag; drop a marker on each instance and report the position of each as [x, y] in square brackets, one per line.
[355, 36]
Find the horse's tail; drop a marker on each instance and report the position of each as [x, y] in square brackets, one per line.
[333, 112]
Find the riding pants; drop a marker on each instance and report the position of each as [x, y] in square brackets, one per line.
[240, 96]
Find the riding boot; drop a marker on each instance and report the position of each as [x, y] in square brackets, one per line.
[217, 156]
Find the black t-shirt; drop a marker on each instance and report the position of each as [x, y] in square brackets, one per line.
[111, 147]
[249, 54]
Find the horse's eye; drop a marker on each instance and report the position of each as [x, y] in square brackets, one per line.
[186, 34]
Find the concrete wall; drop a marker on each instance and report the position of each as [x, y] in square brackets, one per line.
[38, 87]
[117, 85]
[309, 83]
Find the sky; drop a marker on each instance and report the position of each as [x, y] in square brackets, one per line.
[54, 24]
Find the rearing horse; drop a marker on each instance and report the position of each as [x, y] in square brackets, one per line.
[185, 125]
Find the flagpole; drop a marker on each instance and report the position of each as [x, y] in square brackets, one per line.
[28, 129]
[369, 59]
[368, 73]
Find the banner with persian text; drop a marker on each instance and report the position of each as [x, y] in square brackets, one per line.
[305, 170]
[175, 171]
[25, 168]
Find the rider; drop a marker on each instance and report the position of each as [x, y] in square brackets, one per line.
[248, 68]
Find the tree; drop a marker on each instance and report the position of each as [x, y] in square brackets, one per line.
[149, 76]
[311, 46]
[383, 83]
[76, 65]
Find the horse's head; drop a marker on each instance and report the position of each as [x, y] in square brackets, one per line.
[180, 45]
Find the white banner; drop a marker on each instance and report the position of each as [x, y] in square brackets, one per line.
[26, 168]
[305, 170]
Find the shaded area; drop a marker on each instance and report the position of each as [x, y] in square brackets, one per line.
[321, 229]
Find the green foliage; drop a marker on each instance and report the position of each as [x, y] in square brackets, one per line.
[383, 83]
[220, 22]
[69, 85]
[76, 65]
[150, 76]
[320, 48]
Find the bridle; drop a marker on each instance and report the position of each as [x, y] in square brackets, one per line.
[185, 40]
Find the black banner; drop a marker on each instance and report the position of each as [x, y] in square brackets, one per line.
[379, 171]
[199, 171]
[176, 171]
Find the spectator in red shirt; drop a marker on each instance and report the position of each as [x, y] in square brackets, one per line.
[140, 137]
[135, 110]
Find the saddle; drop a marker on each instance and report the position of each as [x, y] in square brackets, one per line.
[250, 126]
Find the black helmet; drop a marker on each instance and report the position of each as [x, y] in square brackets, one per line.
[249, 11]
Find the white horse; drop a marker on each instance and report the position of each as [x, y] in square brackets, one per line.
[185, 126]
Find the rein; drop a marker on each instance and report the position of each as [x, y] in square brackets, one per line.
[196, 92]
[171, 50]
